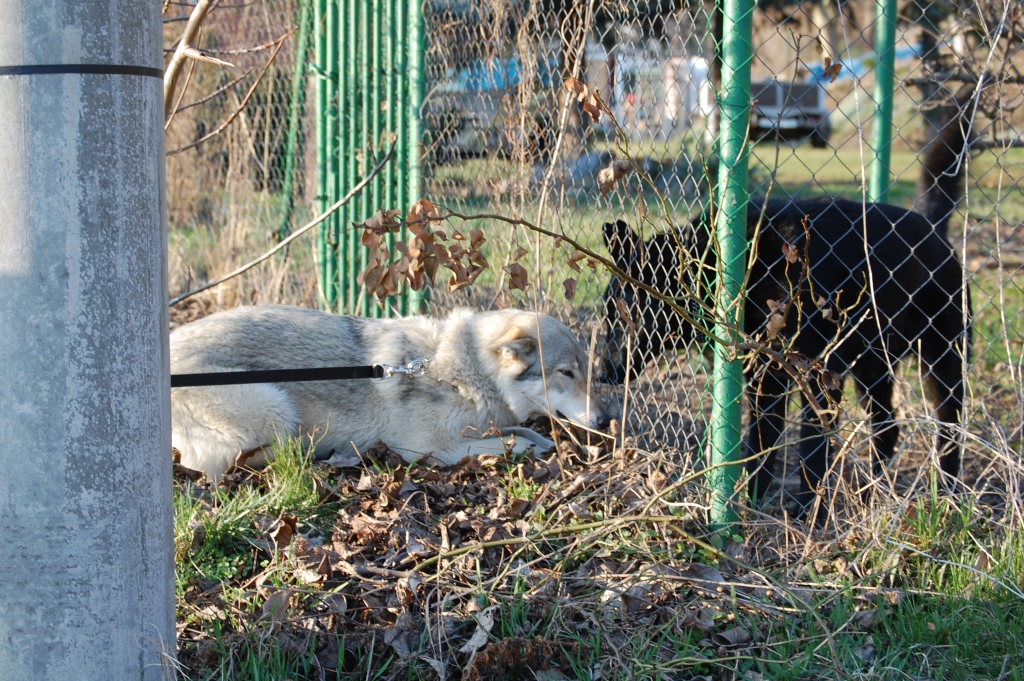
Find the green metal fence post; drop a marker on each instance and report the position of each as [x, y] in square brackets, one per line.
[373, 130]
[350, 140]
[376, 88]
[401, 109]
[331, 140]
[362, 125]
[320, 50]
[298, 92]
[415, 50]
[346, 65]
[731, 228]
[881, 131]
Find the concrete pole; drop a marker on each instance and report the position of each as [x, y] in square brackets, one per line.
[86, 561]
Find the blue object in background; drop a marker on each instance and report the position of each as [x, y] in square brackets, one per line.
[860, 66]
[497, 74]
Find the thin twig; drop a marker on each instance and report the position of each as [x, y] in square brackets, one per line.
[215, 93]
[186, 50]
[296, 234]
[241, 107]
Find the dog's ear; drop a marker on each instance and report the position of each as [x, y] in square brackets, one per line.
[622, 242]
[514, 346]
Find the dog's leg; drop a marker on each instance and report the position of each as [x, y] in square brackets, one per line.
[874, 382]
[815, 450]
[529, 437]
[943, 382]
[496, 446]
[875, 386]
[767, 395]
[211, 426]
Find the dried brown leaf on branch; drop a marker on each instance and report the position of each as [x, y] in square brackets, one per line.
[589, 99]
[420, 216]
[420, 256]
[517, 276]
[831, 70]
[476, 238]
[625, 314]
[776, 320]
[791, 252]
[462, 275]
[831, 380]
[570, 288]
[573, 260]
[607, 177]
[383, 221]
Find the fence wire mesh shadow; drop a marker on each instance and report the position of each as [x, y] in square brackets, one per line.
[503, 137]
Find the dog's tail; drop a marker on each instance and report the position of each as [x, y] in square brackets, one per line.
[941, 185]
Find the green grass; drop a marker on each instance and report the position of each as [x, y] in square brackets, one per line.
[213, 530]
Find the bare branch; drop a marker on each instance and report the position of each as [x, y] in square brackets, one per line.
[188, 38]
[219, 91]
[297, 233]
[199, 55]
[241, 107]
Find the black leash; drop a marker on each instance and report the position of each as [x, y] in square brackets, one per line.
[414, 368]
[275, 376]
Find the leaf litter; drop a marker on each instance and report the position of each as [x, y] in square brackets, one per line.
[491, 569]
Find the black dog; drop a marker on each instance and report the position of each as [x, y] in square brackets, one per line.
[857, 287]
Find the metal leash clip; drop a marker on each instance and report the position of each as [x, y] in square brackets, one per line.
[417, 367]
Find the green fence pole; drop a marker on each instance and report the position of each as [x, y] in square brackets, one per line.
[345, 181]
[881, 130]
[298, 91]
[415, 49]
[731, 227]
[373, 131]
[388, 106]
[401, 17]
[320, 50]
[331, 139]
[362, 126]
[353, 85]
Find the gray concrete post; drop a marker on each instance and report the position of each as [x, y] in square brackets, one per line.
[86, 559]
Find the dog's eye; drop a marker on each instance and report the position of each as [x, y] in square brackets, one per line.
[568, 373]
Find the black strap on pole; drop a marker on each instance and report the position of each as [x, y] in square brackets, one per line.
[80, 69]
[275, 376]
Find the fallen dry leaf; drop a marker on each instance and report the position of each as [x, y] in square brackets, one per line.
[737, 636]
[484, 624]
[275, 608]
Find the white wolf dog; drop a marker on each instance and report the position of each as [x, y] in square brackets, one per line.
[486, 373]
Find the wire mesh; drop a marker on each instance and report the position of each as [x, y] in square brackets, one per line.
[504, 138]
[240, 166]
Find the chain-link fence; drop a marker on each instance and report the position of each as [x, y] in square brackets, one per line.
[240, 162]
[503, 137]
